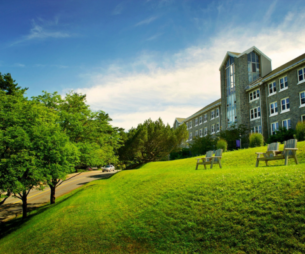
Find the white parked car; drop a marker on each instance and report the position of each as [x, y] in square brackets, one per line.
[108, 168]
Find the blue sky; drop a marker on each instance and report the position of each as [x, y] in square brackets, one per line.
[141, 59]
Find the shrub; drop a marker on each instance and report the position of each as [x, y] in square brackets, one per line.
[300, 131]
[181, 154]
[235, 133]
[281, 135]
[200, 146]
[256, 139]
[222, 144]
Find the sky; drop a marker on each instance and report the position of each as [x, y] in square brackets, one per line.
[141, 59]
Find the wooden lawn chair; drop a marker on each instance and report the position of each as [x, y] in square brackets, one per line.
[206, 160]
[273, 147]
[217, 158]
[289, 151]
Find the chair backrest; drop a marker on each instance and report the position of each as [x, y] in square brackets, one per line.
[209, 154]
[291, 143]
[273, 146]
[218, 153]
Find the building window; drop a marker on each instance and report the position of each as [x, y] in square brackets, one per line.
[253, 66]
[255, 113]
[196, 121]
[212, 114]
[200, 120]
[302, 118]
[273, 108]
[205, 118]
[274, 127]
[287, 124]
[285, 105]
[200, 132]
[196, 133]
[256, 129]
[283, 83]
[254, 95]
[302, 99]
[272, 88]
[217, 112]
[217, 127]
[231, 93]
[190, 125]
[213, 128]
[205, 131]
[190, 136]
[301, 75]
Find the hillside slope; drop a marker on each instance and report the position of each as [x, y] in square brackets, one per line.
[171, 207]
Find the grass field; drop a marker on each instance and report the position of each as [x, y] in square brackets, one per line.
[169, 207]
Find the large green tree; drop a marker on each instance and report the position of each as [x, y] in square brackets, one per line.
[151, 141]
[20, 125]
[89, 130]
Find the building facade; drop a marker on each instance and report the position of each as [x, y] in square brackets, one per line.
[254, 95]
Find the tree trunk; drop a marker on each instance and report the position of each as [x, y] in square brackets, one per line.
[52, 196]
[24, 205]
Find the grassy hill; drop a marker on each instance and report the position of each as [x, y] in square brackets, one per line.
[172, 208]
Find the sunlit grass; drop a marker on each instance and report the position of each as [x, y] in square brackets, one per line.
[171, 207]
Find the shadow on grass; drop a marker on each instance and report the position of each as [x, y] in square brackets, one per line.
[10, 226]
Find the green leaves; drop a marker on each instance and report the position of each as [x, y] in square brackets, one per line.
[151, 141]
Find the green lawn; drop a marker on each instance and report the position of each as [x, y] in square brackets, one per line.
[169, 207]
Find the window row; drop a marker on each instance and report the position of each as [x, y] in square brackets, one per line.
[254, 95]
[275, 126]
[283, 82]
[200, 120]
[285, 105]
[255, 113]
[204, 131]
[256, 129]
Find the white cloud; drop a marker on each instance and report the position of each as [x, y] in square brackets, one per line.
[42, 31]
[181, 84]
[146, 21]
[118, 9]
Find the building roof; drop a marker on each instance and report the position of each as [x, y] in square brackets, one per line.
[234, 54]
[204, 109]
[278, 71]
[179, 119]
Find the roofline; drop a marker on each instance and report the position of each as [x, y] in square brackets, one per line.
[227, 54]
[243, 53]
[248, 88]
[253, 49]
[201, 111]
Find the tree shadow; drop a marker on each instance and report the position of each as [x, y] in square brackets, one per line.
[12, 225]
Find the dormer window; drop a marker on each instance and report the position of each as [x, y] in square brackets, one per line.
[253, 66]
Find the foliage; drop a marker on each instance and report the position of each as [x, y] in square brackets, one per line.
[90, 131]
[233, 134]
[8, 85]
[169, 207]
[22, 123]
[150, 141]
[201, 145]
[256, 139]
[222, 144]
[180, 154]
[281, 135]
[300, 131]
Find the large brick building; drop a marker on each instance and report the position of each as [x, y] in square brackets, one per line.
[254, 95]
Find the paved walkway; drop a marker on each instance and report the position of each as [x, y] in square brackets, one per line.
[12, 206]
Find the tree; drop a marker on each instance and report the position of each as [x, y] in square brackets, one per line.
[90, 131]
[201, 145]
[8, 85]
[151, 141]
[19, 166]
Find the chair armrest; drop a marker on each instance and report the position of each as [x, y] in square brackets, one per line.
[291, 149]
[259, 153]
